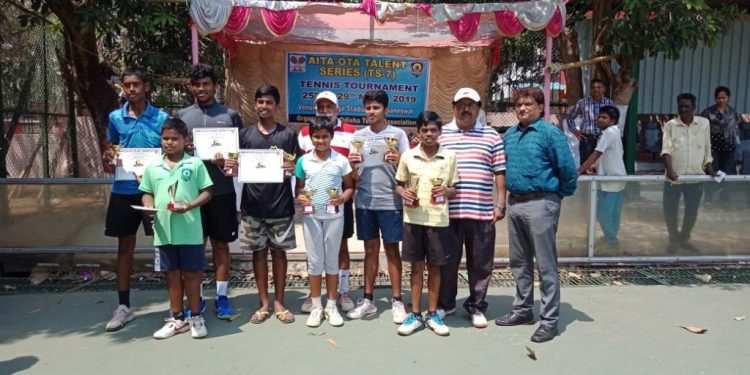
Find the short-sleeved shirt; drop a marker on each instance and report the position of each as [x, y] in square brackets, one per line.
[587, 109]
[376, 189]
[480, 155]
[191, 177]
[341, 142]
[416, 168]
[611, 162]
[131, 132]
[321, 175]
[212, 116]
[268, 201]
[689, 145]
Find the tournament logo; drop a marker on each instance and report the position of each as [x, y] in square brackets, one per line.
[297, 63]
[417, 68]
[186, 173]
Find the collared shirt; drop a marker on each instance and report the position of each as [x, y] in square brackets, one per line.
[416, 168]
[480, 155]
[343, 134]
[689, 145]
[587, 110]
[190, 177]
[321, 175]
[724, 127]
[131, 132]
[611, 162]
[539, 160]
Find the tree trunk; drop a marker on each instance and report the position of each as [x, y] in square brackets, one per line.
[570, 52]
[601, 13]
[625, 83]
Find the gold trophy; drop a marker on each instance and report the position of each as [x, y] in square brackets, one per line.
[408, 203]
[392, 142]
[358, 144]
[308, 209]
[437, 198]
[172, 205]
[116, 149]
[332, 208]
[231, 171]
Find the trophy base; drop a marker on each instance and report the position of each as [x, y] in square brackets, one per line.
[408, 203]
[438, 199]
[174, 206]
[332, 209]
[230, 172]
[308, 210]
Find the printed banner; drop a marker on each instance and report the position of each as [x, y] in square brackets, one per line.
[350, 77]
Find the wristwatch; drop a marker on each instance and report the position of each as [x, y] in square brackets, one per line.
[502, 207]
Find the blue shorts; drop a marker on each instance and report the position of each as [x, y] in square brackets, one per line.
[388, 223]
[189, 258]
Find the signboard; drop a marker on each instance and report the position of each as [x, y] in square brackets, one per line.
[350, 77]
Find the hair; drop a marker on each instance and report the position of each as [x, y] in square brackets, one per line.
[529, 92]
[686, 96]
[597, 80]
[177, 125]
[137, 71]
[721, 89]
[268, 90]
[428, 117]
[611, 111]
[321, 123]
[199, 71]
[379, 96]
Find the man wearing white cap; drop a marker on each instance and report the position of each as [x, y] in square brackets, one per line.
[473, 212]
[327, 104]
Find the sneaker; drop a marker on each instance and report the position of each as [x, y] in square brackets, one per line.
[478, 320]
[189, 313]
[197, 327]
[443, 313]
[346, 302]
[122, 316]
[333, 316]
[364, 308]
[399, 312]
[436, 325]
[306, 305]
[316, 317]
[171, 327]
[224, 309]
[412, 323]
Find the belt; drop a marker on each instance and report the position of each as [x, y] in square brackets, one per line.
[529, 196]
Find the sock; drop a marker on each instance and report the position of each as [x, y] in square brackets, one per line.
[201, 290]
[431, 313]
[178, 315]
[369, 296]
[397, 299]
[221, 288]
[343, 281]
[316, 302]
[124, 297]
[330, 303]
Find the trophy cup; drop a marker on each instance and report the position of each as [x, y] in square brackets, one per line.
[437, 198]
[358, 144]
[172, 205]
[287, 157]
[116, 149]
[332, 208]
[308, 209]
[413, 203]
[231, 171]
[392, 142]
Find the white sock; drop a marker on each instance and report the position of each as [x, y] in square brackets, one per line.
[221, 288]
[330, 303]
[343, 281]
[316, 302]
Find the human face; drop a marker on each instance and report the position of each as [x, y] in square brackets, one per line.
[685, 108]
[135, 89]
[604, 121]
[321, 140]
[173, 142]
[428, 135]
[597, 90]
[722, 99]
[375, 113]
[527, 110]
[466, 112]
[266, 106]
[325, 107]
[204, 90]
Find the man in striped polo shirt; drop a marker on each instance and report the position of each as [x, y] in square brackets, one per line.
[473, 213]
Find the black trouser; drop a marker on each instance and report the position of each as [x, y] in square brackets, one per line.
[692, 192]
[587, 145]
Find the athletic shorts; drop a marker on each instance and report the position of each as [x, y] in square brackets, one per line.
[371, 224]
[426, 243]
[189, 258]
[276, 234]
[123, 220]
[219, 217]
[348, 220]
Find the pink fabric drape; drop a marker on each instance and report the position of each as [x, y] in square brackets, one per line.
[556, 24]
[465, 28]
[279, 23]
[227, 42]
[427, 8]
[237, 20]
[369, 7]
[508, 23]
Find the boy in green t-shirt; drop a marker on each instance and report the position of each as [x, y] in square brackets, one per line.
[175, 187]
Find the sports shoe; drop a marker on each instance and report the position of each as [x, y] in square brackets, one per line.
[306, 305]
[316, 317]
[364, 308]
[436, 325]
[411, 324]
[224, 309]
[346, 302]
[333, 315]
[443, 313]
[120, 317]
[197, 327]
[189, 313]
[478, 320]
[171, 327]
[399, 312]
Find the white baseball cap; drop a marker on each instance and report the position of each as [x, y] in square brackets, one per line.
[467, 92]
[327, 95]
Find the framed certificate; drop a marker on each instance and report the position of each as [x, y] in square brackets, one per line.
[132, 162]
[209, 141]
[261, 166]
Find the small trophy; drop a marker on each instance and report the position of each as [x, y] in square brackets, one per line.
[231, 171]
[437, 198]
[358, 144]
[287, 157]
[172, 205]
[308, 209]
[332, 208]
[392, 142]
[116, 149]
[413, 203]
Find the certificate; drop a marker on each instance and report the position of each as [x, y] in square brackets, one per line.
[132, 162]
[373, 151]
[209, 141]
[261, 166]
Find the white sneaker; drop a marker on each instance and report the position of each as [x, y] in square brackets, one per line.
[122, 316]
[197, 327]
[306, 305]
[316, 317]
[478, 320]
[399, 312]
[171, 327]
[333, 316]
[443, 313]
[437, 325]
[412, 323]
[364, 308]
[346, 302]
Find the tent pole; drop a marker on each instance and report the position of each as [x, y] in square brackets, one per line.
[194, 43]
[547, 77]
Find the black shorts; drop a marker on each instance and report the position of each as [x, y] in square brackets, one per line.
[348, 220]
[123, 220]
[219, 217]
[423, 242]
